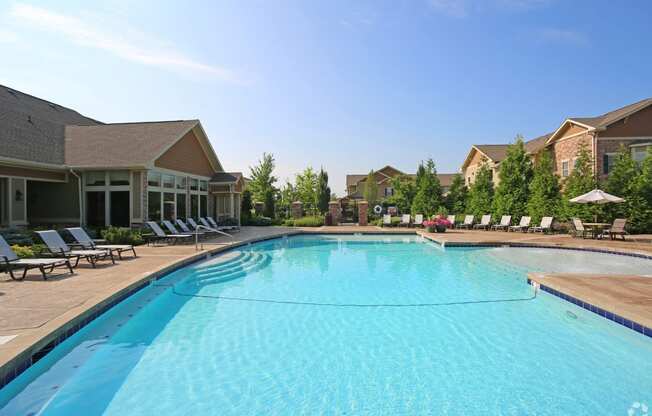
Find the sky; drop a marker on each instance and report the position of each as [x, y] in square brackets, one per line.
[345, 85]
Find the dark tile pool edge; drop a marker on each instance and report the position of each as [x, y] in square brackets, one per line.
[21, 362]
[627, 323]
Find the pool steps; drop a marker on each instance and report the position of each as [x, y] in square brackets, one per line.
[232, 269]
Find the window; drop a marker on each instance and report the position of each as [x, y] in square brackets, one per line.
[153, 179]
[168, 181]
[119, 177]
[194, 206]
[564, 168]
[639, 152]
[194, 184]
[181, 205]
[203, 186]
[203, 205]
[389, 191]
[95, 179]
[154, 206]
[168, 206]
[608, 161]
[181, 183]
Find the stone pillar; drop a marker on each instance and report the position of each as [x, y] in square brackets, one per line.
[297, 209]
[334, 210]
[363, 207]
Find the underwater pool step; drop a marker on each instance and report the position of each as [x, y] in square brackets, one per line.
[244, 257]
[257, 262]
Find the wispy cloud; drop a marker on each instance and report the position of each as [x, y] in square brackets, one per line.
[127, 44]
[464, 8]
[564, 36]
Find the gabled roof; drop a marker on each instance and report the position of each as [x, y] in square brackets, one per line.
[446, 179]
[226, 177]
[493, 152]
[128, 145]
[535, 145]
[32, 129]
[605, 120]
[354, 179]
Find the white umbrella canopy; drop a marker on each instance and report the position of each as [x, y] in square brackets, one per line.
[596, 196]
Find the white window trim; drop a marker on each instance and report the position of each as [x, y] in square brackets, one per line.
[568, 171]
[108, 188]
[187, 191]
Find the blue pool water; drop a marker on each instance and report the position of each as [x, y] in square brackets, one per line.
[349, 326]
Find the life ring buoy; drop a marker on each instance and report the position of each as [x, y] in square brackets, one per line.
[378, 209]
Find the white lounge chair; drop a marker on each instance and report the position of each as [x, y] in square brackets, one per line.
[86, 242]
[617, 229]
[159, 234]
[468, 222]
[484, 222]
[451, 219]
[10, 261]
[57, 247]
[522, 226]
[505, 222]
[405, 220]
[544, 227]
[418, 220]
[387, 220]
[579, 229]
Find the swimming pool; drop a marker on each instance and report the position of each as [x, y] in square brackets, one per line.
[348, 325]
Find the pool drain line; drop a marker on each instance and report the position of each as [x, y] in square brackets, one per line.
[354, 305]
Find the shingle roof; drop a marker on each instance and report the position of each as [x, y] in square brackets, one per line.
[535, 145]
[226, 177]
[33, 129]
[354, 179]
[495, 152]
[612, 116]
[121, 145]
[446, 179]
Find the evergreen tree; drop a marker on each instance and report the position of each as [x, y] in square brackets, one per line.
[641, 205]
[262, 178]
[481, 192]
[621, 182]
[545, 195]
[268, 209]
[404, 191]
[323, 191]
[455, 201]
[428, 199]
[371, 188]
[580, 181]
[515, 176]
[245, 207]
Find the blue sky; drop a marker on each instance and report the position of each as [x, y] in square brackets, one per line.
[348, 85]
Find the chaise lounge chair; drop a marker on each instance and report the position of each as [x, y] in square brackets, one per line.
[578, 228]
[522, 226]
[468, 222]
[485, 222]
[544, 227]
[10, 261]
[159, 234]
[216, 226]
[418, 220]
[405, 220]
[451, 219]
[57, 247]
[212, 229]
[505, 223]
[617, 229]
[185, 229]
[387, 220]
[87, 243]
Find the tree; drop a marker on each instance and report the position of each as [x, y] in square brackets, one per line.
[268, 209]
[323, 191]
[428, 199]
[306, 190]
[545, 195]
[371, 188]
[404, 191]
[515, 175]
[455, 201]
[641, 205]
[287, 195]
[262, 178]
[245, 207]
[481, 192]
[580, 181]
[621, 182]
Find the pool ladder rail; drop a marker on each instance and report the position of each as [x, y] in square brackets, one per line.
[200, 226]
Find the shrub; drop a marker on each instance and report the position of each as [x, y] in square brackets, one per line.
[259, 221]
[289, 222]
[23, 252]
[18, 237]
[118, 235]
[309, 222]
[228, 221]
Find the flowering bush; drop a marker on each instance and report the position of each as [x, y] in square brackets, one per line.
[437, 224]
[429, 224]
[442, 222]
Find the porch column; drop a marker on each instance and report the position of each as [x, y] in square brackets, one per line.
[232, 210]
[363, 207]
[297, 209]
[334, 210]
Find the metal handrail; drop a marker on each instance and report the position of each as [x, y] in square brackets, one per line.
[210, 229]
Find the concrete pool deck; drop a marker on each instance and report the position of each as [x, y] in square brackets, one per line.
[36, 312]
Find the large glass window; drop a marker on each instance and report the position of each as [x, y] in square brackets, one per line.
[203, 205]
[168, 206]
[168, 181]
[154, 206]
[639, 153]
[181, 183]
[203, 186]
[181, 206]
[95, 179]
[194, 184]
[119, 208]
[95, 208]
[153, 179]
[608, 161]
[119, 177]
[194, 206]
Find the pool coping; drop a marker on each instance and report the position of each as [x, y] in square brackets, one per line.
[65, 327]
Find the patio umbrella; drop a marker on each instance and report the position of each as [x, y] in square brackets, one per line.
[597, 196]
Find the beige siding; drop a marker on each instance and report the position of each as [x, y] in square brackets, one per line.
[637, 125]
[187, 156]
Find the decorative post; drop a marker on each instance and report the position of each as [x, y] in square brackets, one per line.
[363, 206]
[334, 210]
[297, 209]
